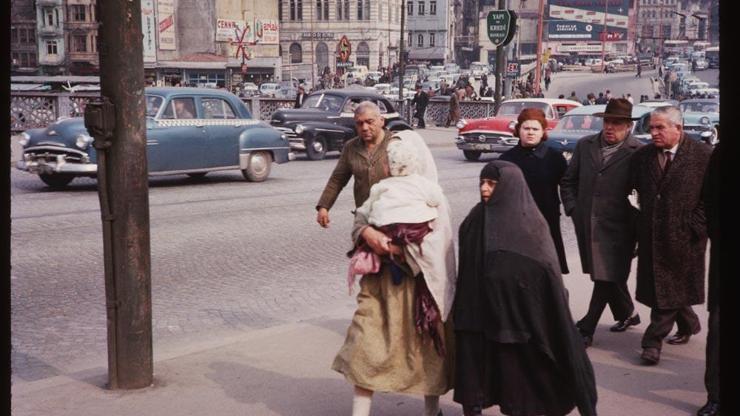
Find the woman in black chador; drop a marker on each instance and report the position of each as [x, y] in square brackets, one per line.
[516, 344]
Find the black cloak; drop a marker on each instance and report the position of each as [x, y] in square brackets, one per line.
[510, 288]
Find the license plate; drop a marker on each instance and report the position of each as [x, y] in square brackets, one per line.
[481, 146]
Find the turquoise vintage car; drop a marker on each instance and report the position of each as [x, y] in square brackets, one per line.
[190, 131]
[701, 119]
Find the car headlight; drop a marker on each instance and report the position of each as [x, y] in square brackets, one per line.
[704, 120]
[299, 129]
[25, 138]
[462, 123]
[512, 125]
[83, 141]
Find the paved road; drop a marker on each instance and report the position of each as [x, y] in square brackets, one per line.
[231, 257]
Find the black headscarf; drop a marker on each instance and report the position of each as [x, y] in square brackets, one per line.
[509, 284]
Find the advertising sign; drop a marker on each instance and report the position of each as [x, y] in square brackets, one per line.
[344, 49]
[167, 33]
[501, 26]
[149, 30]
[584, 20]
[513, 70]
[266, 32]
[231, 31]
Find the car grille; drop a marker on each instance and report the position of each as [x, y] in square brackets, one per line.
[490, 138]
[51, 154]
[289, 133]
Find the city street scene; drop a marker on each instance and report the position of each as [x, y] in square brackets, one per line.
[254, 114]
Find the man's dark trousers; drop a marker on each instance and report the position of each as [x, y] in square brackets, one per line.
[616, 295]
[711, 377]
[420, 114]
[661, 323]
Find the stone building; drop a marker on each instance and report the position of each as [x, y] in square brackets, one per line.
[81, 37]
[23, 49]
[311, 32]
[430, 30]
[50, 36]
[687, 20]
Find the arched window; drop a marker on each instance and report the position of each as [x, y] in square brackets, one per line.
[296, 53]
[322, 57]
[363, 54]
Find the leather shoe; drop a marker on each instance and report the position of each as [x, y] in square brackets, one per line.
[622, 326]
[709, 409]
[650, 356]
[679, 339]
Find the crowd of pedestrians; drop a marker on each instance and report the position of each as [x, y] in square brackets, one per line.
[495, 325]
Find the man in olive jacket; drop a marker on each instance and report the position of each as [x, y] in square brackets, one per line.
[594, 192]
[668, 176]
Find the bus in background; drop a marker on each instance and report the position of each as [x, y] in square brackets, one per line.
[711, 54]
[679, 48]
[701, 46]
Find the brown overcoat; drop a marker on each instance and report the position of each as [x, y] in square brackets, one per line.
[672, 236]
[594, 195]
[367, 169]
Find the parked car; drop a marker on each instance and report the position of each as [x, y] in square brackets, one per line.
[701, 64]
[496, 134]
[189, 131]
[581, 122]
[326, 120]
[250, 89]
[478, 69]
[701, 119]
[269, 89]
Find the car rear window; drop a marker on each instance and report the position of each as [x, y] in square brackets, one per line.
[217, 108]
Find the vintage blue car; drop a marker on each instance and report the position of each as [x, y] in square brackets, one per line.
[580, 122]
[701, 119]
[190, 131]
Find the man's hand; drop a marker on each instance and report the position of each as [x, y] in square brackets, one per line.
[322, 217]
[378, 242]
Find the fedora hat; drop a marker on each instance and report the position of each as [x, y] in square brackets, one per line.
[617, 108]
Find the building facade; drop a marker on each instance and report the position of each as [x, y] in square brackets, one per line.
[50, 36]
[523, 47]
[430, 31]
[81, 36]
[23, 49]
[688, 20]
[316, 35]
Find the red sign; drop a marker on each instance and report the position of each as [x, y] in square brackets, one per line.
[166, 23]
[611, 36]
[344, 49]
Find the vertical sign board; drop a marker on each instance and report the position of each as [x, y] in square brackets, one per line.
[167, 32]
[579, 20]
[148, 28]
[501, 26]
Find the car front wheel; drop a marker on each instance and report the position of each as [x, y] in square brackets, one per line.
[258, 167]
[316, 148]
[56, 180]
[471, 154]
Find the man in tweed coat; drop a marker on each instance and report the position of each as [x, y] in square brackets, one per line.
[672, 239]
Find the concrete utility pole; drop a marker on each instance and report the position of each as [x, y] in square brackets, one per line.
[500, 66]
[119, 128]
[401, 61]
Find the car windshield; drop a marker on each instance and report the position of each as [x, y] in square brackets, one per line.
[153, 102]
[513, 109]
[700, 107]
[580, 124]
[326, 102]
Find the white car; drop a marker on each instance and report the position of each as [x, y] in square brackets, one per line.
[709, 92]
[382, 89]
[374, 75]
[269, 89]
[250, 88]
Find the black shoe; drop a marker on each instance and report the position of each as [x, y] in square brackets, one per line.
[588, 340]
[622, 326]
[679, 339]
[709, 409]
[650, 356]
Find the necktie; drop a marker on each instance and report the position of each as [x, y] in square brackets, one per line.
[668, 159]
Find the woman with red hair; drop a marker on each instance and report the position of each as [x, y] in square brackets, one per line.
[543, 167]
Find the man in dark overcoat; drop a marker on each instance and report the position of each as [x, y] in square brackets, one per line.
[420, 100]
[594, 192]
[672, 237]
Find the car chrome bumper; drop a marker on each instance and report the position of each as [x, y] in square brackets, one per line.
[298, 144]
[39, 167]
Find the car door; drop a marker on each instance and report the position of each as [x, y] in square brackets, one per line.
[221, 146]
[176, 141]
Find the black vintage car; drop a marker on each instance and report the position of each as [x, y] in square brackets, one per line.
[325, 121]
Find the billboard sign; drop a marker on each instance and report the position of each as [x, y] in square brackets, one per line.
[231, 31]
[266, 32]
[583, 20]
[166, 15]
[149, 30]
